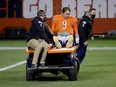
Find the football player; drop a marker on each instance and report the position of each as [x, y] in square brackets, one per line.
[64, 28]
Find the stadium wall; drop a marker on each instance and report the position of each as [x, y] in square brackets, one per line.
[19, 13]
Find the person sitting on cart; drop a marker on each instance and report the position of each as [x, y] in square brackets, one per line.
[37, 38]
[64, 28]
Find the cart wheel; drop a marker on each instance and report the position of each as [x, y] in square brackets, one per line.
[72, 73]
[30, 74]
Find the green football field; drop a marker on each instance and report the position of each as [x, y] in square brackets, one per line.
[97, 70]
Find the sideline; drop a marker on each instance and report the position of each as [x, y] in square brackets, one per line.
[89, 48]
[101, 48]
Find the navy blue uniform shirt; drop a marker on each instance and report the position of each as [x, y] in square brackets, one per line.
[39, 30]
[85, 28]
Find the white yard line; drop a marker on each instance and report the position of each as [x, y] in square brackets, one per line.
[12, 66]
[89, 48]
[101, 48]
[24, 48]
[13, 48]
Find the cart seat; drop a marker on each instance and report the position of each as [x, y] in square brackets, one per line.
[56, 50]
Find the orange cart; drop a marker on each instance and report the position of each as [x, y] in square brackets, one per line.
[58, 61]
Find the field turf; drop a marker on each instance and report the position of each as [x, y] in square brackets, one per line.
[97, 70]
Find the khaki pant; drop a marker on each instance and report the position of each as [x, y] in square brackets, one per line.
[38, 45]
